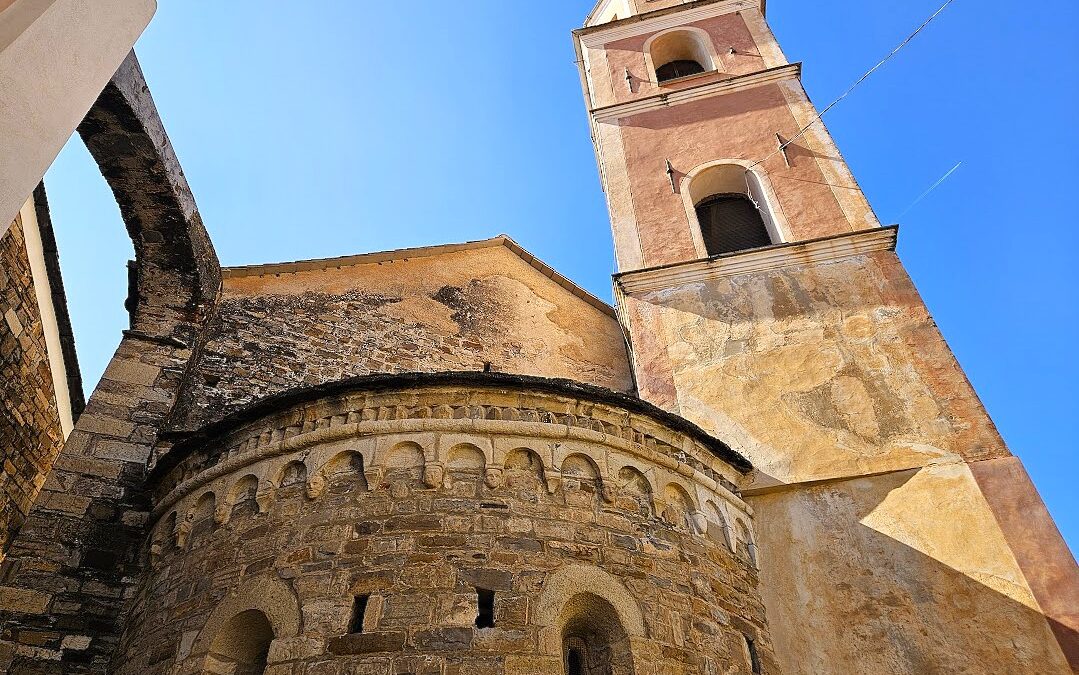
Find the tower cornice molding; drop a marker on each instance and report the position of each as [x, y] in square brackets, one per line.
[813, 252]
[640, 24]
[613, 113]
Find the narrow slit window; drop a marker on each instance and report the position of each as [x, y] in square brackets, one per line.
[754, 658]
[485, 616]
[359, 611]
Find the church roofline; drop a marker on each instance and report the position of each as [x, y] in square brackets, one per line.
[419, 252]
[186, 441]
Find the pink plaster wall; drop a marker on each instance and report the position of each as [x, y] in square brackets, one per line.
[726, 31]
[740, 125]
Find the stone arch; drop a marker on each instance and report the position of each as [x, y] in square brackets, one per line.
[465, 457]
[406, 456]
[719, 529]
[581, 599]
[523, 466]
[635, 490]
[581, 478]
[265, 598]
[581, 466]
[164, 536]
[746, 547]
[347, 464]
[292, 473]
[679, 507]
[177, 274]
[202, 517]
[243, 495]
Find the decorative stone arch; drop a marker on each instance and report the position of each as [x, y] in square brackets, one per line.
[268, 595]
[281, 474]
[679, 507]
[227, 504]
[513, 460]
[316, 482]
[577, 465]
[732, 176]
[744, 540]
[577, 583]
[678, 44]
[718, 527]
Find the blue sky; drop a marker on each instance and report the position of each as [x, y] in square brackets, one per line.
[363, 126]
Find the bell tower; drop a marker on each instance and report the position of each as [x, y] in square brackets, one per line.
[764, 301]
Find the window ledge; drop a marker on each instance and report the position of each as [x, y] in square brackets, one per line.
[687, 78]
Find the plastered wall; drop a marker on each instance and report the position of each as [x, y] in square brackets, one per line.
[880, 551]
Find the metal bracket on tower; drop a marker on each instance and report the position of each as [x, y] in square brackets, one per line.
[783, 149]
[670, 176]
[629, 81]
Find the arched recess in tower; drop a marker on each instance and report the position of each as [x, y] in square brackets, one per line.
[730, 208]
[680, 52]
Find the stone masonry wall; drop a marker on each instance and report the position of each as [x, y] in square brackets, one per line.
[415, 499]
[422, 312]
[30, 433]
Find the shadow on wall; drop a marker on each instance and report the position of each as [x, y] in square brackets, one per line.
[890, 584]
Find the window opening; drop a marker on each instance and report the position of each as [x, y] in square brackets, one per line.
[485, 616]
[754, 658]
[731, 222]
[359, 611]
[676, 69]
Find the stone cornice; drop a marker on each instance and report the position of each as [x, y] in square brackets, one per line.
[651, 22]
[613, 113]
[293, 403]
[813, 252]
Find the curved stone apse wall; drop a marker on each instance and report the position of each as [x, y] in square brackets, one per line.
[441, 530]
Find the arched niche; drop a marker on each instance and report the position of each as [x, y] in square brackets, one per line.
[465, 457]
[584, 607]
[238, 628]
[344, 472]
[523, 468]
[242, 646]
[731, 177]
[242, 497]
[678, 507]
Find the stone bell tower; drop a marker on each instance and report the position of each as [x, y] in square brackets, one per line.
[765, 302]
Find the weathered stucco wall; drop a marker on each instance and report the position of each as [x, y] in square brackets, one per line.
[421, 311]
[417, 497]
[814, 371]
[879, 552]
[30, 431]
[904, 573]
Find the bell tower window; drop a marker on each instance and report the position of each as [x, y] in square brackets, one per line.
[730, 209]
[731, 222]
[680, 52]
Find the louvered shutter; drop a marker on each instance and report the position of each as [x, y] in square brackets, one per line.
[730, 222]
